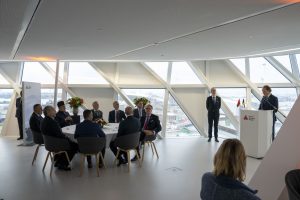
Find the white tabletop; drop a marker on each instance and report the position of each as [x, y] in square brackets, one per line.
[110, 129]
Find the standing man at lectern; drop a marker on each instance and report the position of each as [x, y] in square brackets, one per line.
[269, 102]
[213, 105]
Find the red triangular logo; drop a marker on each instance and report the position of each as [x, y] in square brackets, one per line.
[246, 117]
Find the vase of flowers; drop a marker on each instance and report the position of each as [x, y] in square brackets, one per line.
[102, 122]
[74, 103]
[141, 99]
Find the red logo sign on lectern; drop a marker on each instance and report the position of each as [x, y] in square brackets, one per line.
[246, 117]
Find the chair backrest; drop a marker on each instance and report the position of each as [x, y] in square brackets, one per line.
[91, 145]
[292, 180]
[37, 137]
[54, 144]
[127, 142]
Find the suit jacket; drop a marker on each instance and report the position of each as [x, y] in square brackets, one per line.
[128, 126]
[97, 114]
[136, 113]
[51, 127]
[88, 128]
[111, 116]
[35, 122]
[153, 123]
[213, 107]
[269, 103]
[60, 118]
[19, 107]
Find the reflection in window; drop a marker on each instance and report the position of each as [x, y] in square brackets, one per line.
[35, 72]
[240, 64]
[183, 74]
[178, 124]
[226, 128]
[160, 68]
[83, 73]
[285, 61]
[286, 98]
[261, 71]
[61, 68]
[3, 81]
[254, 102]
[5, 96]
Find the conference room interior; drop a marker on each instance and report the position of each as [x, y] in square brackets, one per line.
[171, 53]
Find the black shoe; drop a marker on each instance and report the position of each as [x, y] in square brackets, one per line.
[90, 165]
[216, 140]
[121, 162]
[65, 168]
[209, 139]
[20, 138]
[135, 158]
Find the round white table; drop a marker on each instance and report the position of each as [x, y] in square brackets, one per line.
[110, 131]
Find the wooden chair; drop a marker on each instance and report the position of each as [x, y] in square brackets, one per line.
[39, 140]
[149, 140]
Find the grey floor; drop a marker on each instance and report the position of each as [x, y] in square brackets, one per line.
[175, 175]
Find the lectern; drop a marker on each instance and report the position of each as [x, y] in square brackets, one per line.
[256, 131]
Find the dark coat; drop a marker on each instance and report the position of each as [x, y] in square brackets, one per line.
[88, 128]
[213, 108]
[269, 103]
[223, 187]
[51, 127]
[128, 126]
[111, 116]
[153, 124]
[60, 118]
[35, 122]
[97, 114]
[136, 113]
[19, 107]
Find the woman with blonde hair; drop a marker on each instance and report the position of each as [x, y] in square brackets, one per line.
[225, 182]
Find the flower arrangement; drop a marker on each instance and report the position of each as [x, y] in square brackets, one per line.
[102, 122]
[75, 102]
[143, 99]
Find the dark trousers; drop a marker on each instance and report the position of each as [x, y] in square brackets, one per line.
[273, 130]
[61, 159]
[213, 120]
[20, 124]
[89, 158]
[114, 149]
[292, 180]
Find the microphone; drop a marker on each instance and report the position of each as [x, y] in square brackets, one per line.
[274, 108]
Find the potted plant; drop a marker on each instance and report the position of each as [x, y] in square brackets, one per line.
[142, 99]
[74, 103]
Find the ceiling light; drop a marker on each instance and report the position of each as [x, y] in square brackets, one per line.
[39, 58]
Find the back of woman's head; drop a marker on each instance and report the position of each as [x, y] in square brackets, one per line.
[230, 160]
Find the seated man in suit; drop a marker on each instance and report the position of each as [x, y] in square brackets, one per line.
[139, 111]
[51, 127]
[116, 115]
[62, 116]
[36, 118]
[97, 114]
[128, 126]
[150, 126]
[89, 129]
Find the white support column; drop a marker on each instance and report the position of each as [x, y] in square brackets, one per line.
[247, 67]
[225, 108]
[248, 97]
[55, 84]
[113, 85]
[171, 91]
[65, 80]
[295, 69]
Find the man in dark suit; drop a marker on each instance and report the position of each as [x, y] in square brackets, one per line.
[97, 114]
[116, 115]
[19, 115]
[139, 111]
[62, 116]
[128, 126]
[269, 102]
[51, 127]
[213, 105]
[150, 126]
[36, 118]
[88, 128]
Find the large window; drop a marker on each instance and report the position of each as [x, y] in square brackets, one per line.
[160, 68]
[285, 61]
[35, 72]
[240, 64]
[183, 74]
[83, 73]
[47, 96]
[261, 71]
[5, 97]
[52, 65]
[286, 98]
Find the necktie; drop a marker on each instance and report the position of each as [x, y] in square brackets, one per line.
[146, 123]
[214, 100]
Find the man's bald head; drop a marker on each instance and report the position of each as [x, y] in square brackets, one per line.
[128, 111]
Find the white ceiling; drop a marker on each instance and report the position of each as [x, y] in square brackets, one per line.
[147, 30]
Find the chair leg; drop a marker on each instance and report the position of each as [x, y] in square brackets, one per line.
[143, 152]
[82, 164]
[46, 160]
[151, 147]
[102, 159]
[97, 164]
[128, 158]
[115, 162]
[52, 163]
[68, 158]
[139, 159]
[35, 154]
[155, 149]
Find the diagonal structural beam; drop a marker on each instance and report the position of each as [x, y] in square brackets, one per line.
[225, 108]
[171, 91]
[14, 85]
[112, 84]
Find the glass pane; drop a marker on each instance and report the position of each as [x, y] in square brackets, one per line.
[261, 71]
[35, 72]
[183, 74]
[285, 61]
[178, 124]
[226, 129]
[240, 64]
[286, 98]
[3, 81]
[160, 68]
[5, 96]
[47, 96]
[254, 102]
[298, 60]
[122, 103]
[83, 73]
[231, 96]
[61, 68]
